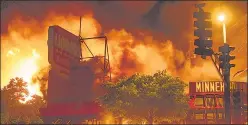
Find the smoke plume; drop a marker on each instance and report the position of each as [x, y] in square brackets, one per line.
[138, 42]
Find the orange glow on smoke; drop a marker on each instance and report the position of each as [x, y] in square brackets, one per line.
[19, 59]
[24, 61]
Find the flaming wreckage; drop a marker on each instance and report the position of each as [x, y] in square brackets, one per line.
[70, 95]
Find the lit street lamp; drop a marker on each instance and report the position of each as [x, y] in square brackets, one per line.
[221, 18]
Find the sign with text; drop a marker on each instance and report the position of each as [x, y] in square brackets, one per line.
[64, 48]
[208, 87]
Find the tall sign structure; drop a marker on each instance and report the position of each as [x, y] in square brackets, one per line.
[74, 80]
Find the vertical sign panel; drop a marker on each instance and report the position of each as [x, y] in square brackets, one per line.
[64, 49]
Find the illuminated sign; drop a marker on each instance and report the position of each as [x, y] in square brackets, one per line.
[209, 87]
[212, 87]
[64, 48]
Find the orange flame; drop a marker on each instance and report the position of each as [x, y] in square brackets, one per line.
[26, 68]
[127, 54]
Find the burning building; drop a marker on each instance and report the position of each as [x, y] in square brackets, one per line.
[137, 44]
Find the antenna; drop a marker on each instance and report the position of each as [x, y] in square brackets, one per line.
[80, 27]
[79, 35]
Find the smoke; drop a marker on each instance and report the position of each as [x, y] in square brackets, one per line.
[128, 63]
[152, 17]
[137, 42]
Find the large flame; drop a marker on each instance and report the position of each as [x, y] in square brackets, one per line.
[28, 67]
[24, 60]
[129, 53]
[25, 68]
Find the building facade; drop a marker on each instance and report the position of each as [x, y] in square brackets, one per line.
[207, 103]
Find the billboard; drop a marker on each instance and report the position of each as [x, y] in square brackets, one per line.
[207, 101]
[64, 49]
[211, 87]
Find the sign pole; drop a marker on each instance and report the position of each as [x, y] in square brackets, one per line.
[227, 95]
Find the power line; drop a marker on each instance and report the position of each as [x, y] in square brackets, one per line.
[239, 73]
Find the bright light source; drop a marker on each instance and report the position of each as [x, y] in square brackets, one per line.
[221, 17]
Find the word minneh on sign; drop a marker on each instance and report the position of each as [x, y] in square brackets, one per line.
[209, 87]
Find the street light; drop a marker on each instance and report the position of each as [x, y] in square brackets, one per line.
[221, 18]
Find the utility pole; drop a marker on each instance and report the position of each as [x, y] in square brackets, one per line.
[225, 65]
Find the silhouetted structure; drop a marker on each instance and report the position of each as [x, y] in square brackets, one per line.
[70, 95]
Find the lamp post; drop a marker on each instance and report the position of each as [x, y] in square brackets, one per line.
[221, 18]
[225, 65]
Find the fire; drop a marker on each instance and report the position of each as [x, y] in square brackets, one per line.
[108, 119]
[10, 53]
[26, 68]
[13, 52]
[129, 53]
